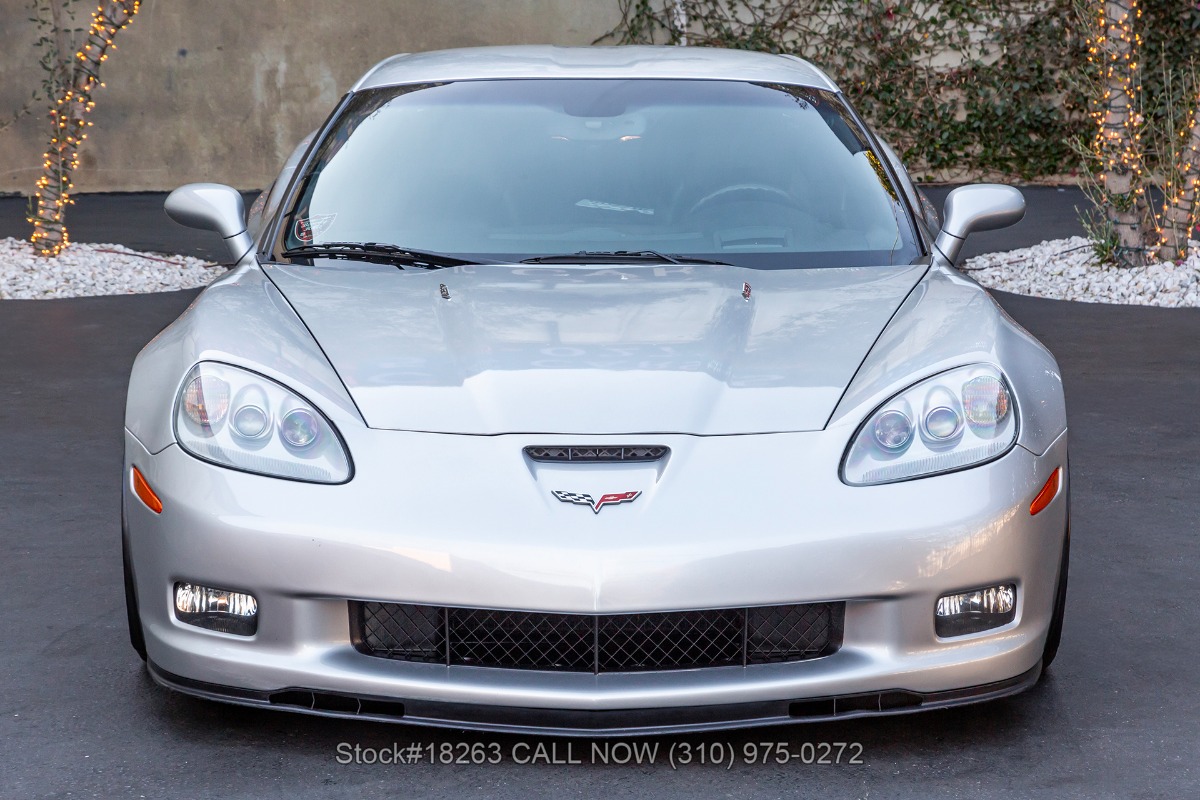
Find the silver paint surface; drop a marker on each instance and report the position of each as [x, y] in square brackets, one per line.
[212, 207]
[982, 207]
[591, 350]
[544, 61]
[718, 528]
[757, 399]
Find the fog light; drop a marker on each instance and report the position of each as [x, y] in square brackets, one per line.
[974, 611]
[216, 609]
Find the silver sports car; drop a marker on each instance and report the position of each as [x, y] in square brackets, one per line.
[595, 391]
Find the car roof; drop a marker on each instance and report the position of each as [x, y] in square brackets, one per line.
[545, 61]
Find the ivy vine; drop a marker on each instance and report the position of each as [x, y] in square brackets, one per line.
[985, 89]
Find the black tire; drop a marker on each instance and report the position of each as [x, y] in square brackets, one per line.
[136, 637]
[1054, 637]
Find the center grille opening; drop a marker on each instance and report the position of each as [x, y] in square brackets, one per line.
[599, 455]
[597, 643]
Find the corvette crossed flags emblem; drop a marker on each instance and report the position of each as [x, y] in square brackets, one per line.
[596, 505]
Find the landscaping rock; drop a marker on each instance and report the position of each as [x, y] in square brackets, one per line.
[95, 269]
[1066, 269]
[1061, 269]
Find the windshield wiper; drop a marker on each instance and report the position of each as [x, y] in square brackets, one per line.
[620, 257]
[379, 253]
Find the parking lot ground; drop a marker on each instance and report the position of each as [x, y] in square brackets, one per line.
[1118, 716]
[136, 220]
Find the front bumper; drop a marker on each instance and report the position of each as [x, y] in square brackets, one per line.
[727, 522]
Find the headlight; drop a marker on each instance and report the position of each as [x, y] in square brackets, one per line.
[236, 418]
[957, 419]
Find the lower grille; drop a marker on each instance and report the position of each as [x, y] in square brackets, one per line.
[597, 643]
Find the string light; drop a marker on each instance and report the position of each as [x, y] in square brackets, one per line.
[1117, 145]
[1118, 125]
[1180, 211]
[53, 191]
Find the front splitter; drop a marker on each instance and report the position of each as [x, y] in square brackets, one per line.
[597, 724]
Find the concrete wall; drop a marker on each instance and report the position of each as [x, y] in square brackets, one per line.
[221, 90]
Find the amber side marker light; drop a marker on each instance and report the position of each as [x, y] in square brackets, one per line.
[145, 493]
[1048, 493]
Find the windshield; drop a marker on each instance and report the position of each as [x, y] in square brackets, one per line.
[756, 175]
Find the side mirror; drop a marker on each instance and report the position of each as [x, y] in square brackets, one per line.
[212, 207]
[982, 207]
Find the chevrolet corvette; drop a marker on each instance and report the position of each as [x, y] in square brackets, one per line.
[595, 391]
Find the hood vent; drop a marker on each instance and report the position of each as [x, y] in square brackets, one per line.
[598, 455]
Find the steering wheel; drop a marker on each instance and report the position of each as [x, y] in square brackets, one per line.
[746, 191]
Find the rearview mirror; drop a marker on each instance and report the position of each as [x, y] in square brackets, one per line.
[212, 207]
[982, 207]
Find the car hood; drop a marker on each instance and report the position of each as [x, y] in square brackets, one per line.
[595, 350]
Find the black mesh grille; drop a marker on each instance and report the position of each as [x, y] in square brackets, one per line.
[791, 633]
[595, 455]
[409, 633]
[671, 641]
[597, 643]
[520, 641]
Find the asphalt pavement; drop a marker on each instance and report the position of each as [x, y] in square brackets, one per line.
[1118, 716]
[134, 219]
[137, 220]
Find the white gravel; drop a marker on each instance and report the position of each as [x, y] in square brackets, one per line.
[1066, 269]
[1063, 269]
[83, 270]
